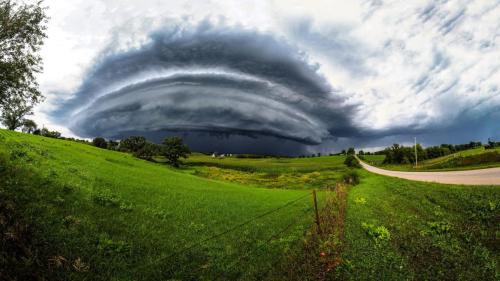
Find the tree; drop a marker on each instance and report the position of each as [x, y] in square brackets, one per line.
[133, 143]
[147, 151]
[50, 134]
[14, 111]
[351, 151]
[112, 145]
[100, 142]
[173, 149]
[22, 30]
[29, 126]
[351, 161]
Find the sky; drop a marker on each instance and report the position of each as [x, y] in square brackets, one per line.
[283, 77]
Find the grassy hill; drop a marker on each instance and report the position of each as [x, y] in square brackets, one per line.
[476, 158]
[100, 215]
[71, 211]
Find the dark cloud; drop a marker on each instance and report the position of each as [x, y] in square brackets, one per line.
[205, 82]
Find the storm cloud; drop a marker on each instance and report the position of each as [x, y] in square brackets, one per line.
[285, 77]
[204, 80]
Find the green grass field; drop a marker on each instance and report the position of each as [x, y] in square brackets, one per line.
[124, 217]
[476, 158]
[404, 230]
[290, 173]
[94, 214]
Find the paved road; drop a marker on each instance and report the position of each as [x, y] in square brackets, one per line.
[471, 177]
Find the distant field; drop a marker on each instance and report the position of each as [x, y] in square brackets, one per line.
[477, 158]
[126, 218]
[291, 173]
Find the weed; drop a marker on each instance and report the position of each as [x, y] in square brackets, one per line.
[379, 234]
[360, 200]
[109, 247]
[106, 198]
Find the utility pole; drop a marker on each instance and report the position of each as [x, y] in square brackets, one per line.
[416, 155]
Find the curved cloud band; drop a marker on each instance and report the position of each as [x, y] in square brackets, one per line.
[211, 81]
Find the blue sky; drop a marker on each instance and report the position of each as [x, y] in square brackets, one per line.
[316, 75]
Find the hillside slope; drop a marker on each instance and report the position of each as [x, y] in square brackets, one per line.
[95, 214]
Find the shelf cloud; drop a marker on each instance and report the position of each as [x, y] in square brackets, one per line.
[210, 81]
[284, 77]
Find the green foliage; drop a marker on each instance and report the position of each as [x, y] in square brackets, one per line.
[108, 247]
[351, 161]
[437, 228]
[100, 142]
[379, 234]
[132, 143]
[360, 200]
[21, 37]
[29, 126]
[173, 149]
[469, 160]
[147, 151]
[106, 198]
[437, 232]
[50, 134]
[350, 177]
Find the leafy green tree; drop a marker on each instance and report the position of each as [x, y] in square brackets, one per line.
[22, 30]
[173, 149]
[147, 151]
[112, 145]
[133, 143]
[100, 142]
[50, 134]
[13, 113]
[351, 151]
[29, 126]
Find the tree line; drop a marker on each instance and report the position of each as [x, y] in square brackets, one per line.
[172, 148]
[399, 154]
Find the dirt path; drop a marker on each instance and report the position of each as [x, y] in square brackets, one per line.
[470, 177]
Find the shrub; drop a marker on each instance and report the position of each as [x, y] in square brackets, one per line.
[351, 161]
[99, 142]
[350, 177]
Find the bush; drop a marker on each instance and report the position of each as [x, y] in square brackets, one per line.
[99, 142]
[350, 177]
[352, 162]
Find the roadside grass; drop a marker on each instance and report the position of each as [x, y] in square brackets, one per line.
[404, 230]
[76, 212]
[476, 158]
[321, 251]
